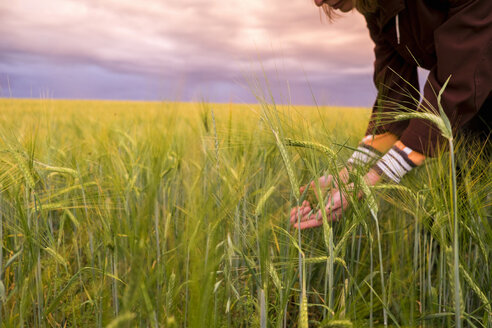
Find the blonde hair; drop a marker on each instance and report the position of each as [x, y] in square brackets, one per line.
[363, 6]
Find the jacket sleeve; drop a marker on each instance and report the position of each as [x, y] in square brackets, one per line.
[396, 81]
[463, 46]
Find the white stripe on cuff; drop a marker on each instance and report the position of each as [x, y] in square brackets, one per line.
[400, 159]
[394, 166]
[362, 156]
[388, 173]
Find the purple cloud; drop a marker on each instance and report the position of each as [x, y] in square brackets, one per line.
[182, 50]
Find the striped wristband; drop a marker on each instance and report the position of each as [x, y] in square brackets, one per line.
[363, 155]
[395, 164]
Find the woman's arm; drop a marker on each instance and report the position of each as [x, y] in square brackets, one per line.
[464, 52]
[396, 81]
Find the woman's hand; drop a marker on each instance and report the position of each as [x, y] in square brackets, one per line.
[325, 183]
[305, 211]
[337, 202]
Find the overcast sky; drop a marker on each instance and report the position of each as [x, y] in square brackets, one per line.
[183, 50]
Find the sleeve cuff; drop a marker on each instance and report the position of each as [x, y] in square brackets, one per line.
[371, 148]
[398, 161]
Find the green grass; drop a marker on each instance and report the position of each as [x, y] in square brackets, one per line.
[126, 214]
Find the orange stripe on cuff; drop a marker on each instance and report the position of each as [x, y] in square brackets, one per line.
[416, 157]
[380, 142]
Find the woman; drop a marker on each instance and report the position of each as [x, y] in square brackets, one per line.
[450, 38]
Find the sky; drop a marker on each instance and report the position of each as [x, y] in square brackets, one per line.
[184, 50]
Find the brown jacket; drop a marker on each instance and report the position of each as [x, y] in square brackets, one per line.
[447, 37]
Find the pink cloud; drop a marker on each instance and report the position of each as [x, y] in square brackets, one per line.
[224, 39]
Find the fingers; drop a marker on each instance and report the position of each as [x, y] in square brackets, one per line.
[301, 211]
[334, 201]
[327, 181]
[337, 203]
[324, 183]
[316, 220]
[308, 224]
[302, 217]
[305, 204]
[311, 221]
[302, 189]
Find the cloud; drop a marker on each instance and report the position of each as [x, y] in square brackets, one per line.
[195, 42]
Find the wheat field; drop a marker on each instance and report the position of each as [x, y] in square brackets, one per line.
[166, 214]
